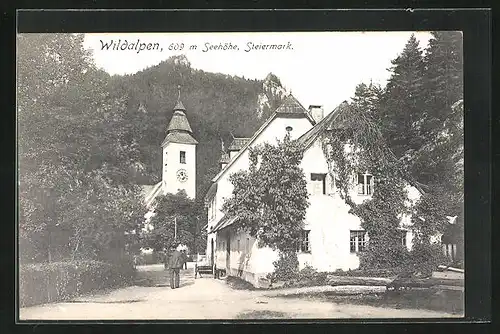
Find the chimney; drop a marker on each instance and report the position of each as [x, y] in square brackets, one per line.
[316, 112]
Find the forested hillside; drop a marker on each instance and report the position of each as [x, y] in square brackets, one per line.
[218, 106]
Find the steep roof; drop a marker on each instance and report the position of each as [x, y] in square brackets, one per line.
[211, 193]
[179, 137]
[179, 106]
[179, 122]
[238, 143]
[223, 223]
[331, 121]
[150, 192]
[179, 130]
[292, 105]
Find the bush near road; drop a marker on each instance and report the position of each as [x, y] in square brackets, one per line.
[57, 281]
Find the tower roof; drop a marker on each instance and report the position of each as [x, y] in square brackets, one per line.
[179, 130]
[179, 121]
[179, 137]
[179, 106]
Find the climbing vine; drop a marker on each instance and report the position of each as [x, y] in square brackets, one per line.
[356, 145]
[270, 200]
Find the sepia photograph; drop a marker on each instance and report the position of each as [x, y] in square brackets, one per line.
[240, 176]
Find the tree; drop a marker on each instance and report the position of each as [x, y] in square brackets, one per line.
[412, 134]
[403, 102]
[443, 116]
[367, 97]
[176, 219]
[444, 72]
[75, 200]
[439, 162]
[270, 199]
[357, 144]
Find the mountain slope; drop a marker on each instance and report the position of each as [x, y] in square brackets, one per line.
[218, 106]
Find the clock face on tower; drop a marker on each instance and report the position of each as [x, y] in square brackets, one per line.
[182, 175]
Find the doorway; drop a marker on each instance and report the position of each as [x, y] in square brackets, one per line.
[212, 252]
[228, 252]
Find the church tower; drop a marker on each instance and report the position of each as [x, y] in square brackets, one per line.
[179, 154]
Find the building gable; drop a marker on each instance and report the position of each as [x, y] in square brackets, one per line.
[290, 108]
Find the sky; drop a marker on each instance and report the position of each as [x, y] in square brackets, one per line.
[319, 68]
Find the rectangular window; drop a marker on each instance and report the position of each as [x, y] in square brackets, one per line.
[318, 184]
[369, 189]
[247, 247]
[304, 242]
[403, 238]
[238, 245]
[365, 184]
[182, 157]
[357, 241]
[212, 209]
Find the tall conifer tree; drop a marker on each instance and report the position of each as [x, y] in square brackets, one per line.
[403, 101]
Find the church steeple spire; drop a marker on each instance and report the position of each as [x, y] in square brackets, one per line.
[179, 106]
[179, 125]
[179, 121]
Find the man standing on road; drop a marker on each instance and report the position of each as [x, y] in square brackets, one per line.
[175, 264]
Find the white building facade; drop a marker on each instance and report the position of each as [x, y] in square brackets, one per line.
[332, 238]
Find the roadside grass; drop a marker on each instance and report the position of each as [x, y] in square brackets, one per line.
[429, 299]
[265, 314]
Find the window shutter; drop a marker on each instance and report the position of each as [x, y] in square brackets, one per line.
[330, 184]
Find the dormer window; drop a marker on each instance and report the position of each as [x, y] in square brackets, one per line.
[182, 157]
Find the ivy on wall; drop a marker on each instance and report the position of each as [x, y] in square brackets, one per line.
[270, 200]
[356, 146]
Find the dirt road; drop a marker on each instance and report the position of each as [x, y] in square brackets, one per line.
[204, 298]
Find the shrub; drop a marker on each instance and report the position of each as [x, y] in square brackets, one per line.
[285, 268]
[56, 281]
[311, 277]
[427, 257]
[395, 256]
